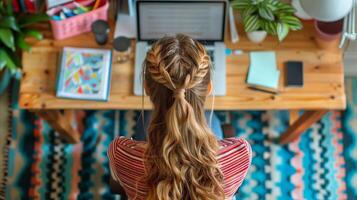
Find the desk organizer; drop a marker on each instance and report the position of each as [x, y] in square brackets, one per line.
[77, 24]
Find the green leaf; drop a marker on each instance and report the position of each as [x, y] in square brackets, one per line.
[2, 7]
[251, 23]
[33, 33]
[282, 31]
[293, 22]
[240, 4]
[272, 27]
[32, 19]
[22, 44]
[249, 11]
[7, 38]
[266, 13]
[4, 57]
[297, 27]
[256, 2]
[2, 63]
[9, 9]
[285, 8]
[273, 2]
[271, 7]
[263, 24]
[15, 57]
[9, 22]
[269, 27]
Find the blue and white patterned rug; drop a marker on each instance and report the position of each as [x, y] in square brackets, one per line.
[320, 165]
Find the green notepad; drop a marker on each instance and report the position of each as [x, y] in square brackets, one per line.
[263, 73]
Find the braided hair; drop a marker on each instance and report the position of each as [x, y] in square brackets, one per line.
[180, 159]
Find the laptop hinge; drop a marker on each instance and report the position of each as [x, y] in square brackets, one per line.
[204, 42]
[150, 42]
[207, 43]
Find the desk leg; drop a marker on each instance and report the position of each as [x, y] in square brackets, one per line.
[294, 116]
[301, 125]
[61, 123]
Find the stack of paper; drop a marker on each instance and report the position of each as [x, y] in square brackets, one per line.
[263, 73]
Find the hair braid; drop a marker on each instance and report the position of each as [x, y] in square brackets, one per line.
[203, 68]
[157, 68]
[158, 71]
[181, 153]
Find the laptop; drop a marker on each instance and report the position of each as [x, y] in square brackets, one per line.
[202, 20]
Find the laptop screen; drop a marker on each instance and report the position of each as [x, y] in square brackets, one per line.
[202, 20]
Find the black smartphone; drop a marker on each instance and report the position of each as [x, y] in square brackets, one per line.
[294, 74]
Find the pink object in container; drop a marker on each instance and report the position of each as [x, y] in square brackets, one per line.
[328, 34]
[77, 24]
[328, 30]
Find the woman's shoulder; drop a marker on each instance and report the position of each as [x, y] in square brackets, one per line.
[126, 161]
[127, 142]
[234, 158]
[233, 141]
[123, 145]
[234, 144]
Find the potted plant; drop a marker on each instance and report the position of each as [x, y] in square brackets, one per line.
[262, 17]
[13, 31]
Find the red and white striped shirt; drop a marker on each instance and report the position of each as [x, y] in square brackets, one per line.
[126, 160]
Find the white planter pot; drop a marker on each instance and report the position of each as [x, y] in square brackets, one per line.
[327, 10]
[299, 11]
[257, 36]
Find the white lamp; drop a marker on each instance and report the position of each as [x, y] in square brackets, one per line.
[327, 10]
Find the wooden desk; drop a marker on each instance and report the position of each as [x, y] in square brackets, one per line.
[323, 82]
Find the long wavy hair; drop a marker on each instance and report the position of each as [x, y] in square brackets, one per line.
[180, 159]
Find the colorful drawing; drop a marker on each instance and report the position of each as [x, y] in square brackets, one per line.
[84, 73]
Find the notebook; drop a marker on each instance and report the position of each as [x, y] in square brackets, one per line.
[263, 73]
[84, 74]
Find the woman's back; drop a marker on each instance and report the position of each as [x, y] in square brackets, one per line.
[182, 159]
[126, 158]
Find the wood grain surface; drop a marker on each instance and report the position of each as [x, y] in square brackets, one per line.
[323, 76]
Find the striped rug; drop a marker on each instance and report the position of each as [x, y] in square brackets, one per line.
[320, 165]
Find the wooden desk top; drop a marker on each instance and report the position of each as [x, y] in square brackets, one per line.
[323, 77]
